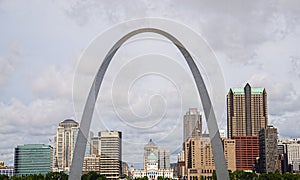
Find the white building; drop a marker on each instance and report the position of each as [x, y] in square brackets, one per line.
[152, 171]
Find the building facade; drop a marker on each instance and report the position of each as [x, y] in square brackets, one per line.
[64, 141]
[246, 152]
[163, 159]
[192, 124]
[91, 163]
[152, 171]
[293, 153]
[247, 111]
[33, 159]
[148, 149]
[199, 157]
[268, 151]
[111, 154]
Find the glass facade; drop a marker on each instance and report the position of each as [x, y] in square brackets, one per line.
[33, 159]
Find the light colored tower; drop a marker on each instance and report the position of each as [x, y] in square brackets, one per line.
[148, 149]
[192, 124]
[111, 154]
[247, 111]
[65, 139]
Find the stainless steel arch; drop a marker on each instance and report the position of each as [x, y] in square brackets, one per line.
[79, 151]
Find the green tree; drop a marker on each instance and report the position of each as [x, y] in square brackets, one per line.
[3, 177]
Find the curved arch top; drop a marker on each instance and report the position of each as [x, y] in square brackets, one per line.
[217, 147]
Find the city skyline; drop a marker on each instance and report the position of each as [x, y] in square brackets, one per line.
[40, 49]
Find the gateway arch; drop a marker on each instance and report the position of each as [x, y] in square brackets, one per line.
[217, 147]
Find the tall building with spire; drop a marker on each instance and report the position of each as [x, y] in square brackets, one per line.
[247, 111]
[192, 124]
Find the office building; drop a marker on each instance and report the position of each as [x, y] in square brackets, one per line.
[111, 154]
[64, 141]
[246, 152]
[33, 159]
[192, 124]
[163, 159]
[148, 149]
[293, 153]
[199, 161]
[247, 111]
[268, 152]
[91, 163]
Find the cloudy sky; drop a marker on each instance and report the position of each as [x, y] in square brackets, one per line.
[42, 74]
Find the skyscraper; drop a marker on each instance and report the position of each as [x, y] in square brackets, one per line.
[148, 149]
[268, 152]
[33, 159]
[192, 124]
[111, 154]
[247, 111]
[199, 161]
[65, 140]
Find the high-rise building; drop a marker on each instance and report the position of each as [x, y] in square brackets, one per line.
[148, 149]
[33, 159]
[246, 152]
[199, 157]
[111, 154]
[163, 159]
[192, 124]
[268, 152]
[247, 111]
[65, 141]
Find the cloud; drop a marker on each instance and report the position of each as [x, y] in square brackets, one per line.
[9, 62]
[35, 122]
[53, 82]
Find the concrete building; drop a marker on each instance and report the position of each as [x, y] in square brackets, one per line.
[246, 151]
[64, 143]
[111, 154]
[192, 124]
[148, 149]
[163, 159]
[268, 152]
[91, 163]
[33, 159]
[247, 111]
[199, 160]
